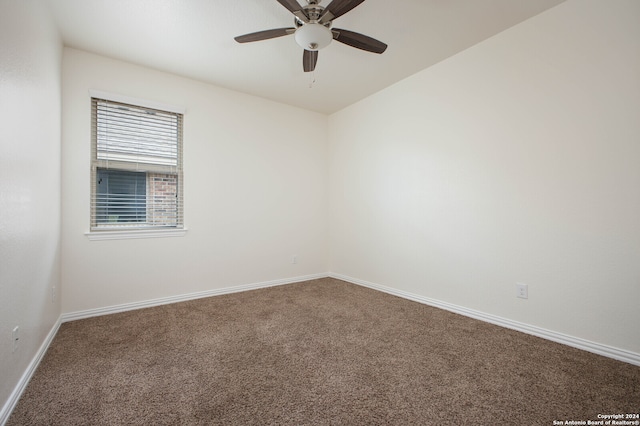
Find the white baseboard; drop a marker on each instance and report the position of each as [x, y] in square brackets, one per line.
[72, 316]
[576, 342]
[28, 373]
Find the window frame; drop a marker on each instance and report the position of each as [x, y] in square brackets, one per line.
[132, 231]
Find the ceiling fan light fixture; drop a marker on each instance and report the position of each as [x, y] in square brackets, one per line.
[313, 36]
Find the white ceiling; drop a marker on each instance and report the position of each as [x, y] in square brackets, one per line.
[194, 38]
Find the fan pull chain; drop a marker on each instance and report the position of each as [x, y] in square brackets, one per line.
[312, 79]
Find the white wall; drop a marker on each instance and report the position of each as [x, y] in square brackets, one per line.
[255, 191]
[517, 160]
[30, 56]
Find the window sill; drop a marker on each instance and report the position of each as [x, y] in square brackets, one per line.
[134, 233]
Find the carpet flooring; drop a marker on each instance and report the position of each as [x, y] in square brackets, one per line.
[322, 352]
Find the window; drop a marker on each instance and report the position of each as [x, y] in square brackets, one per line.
[136, 167]
[122, 197]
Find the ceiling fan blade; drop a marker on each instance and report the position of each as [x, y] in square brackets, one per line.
[359, 41]
[294, 7]
[338, 8]
[309, 60]
[264, 35]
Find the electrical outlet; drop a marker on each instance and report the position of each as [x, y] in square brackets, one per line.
[15, 336]
[294, 259]
[522, 290]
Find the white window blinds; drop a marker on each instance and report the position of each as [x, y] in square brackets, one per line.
[136, 169]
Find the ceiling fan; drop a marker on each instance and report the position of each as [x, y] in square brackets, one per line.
[313, 29]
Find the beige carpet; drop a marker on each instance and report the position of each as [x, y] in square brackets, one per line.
[315, 353]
